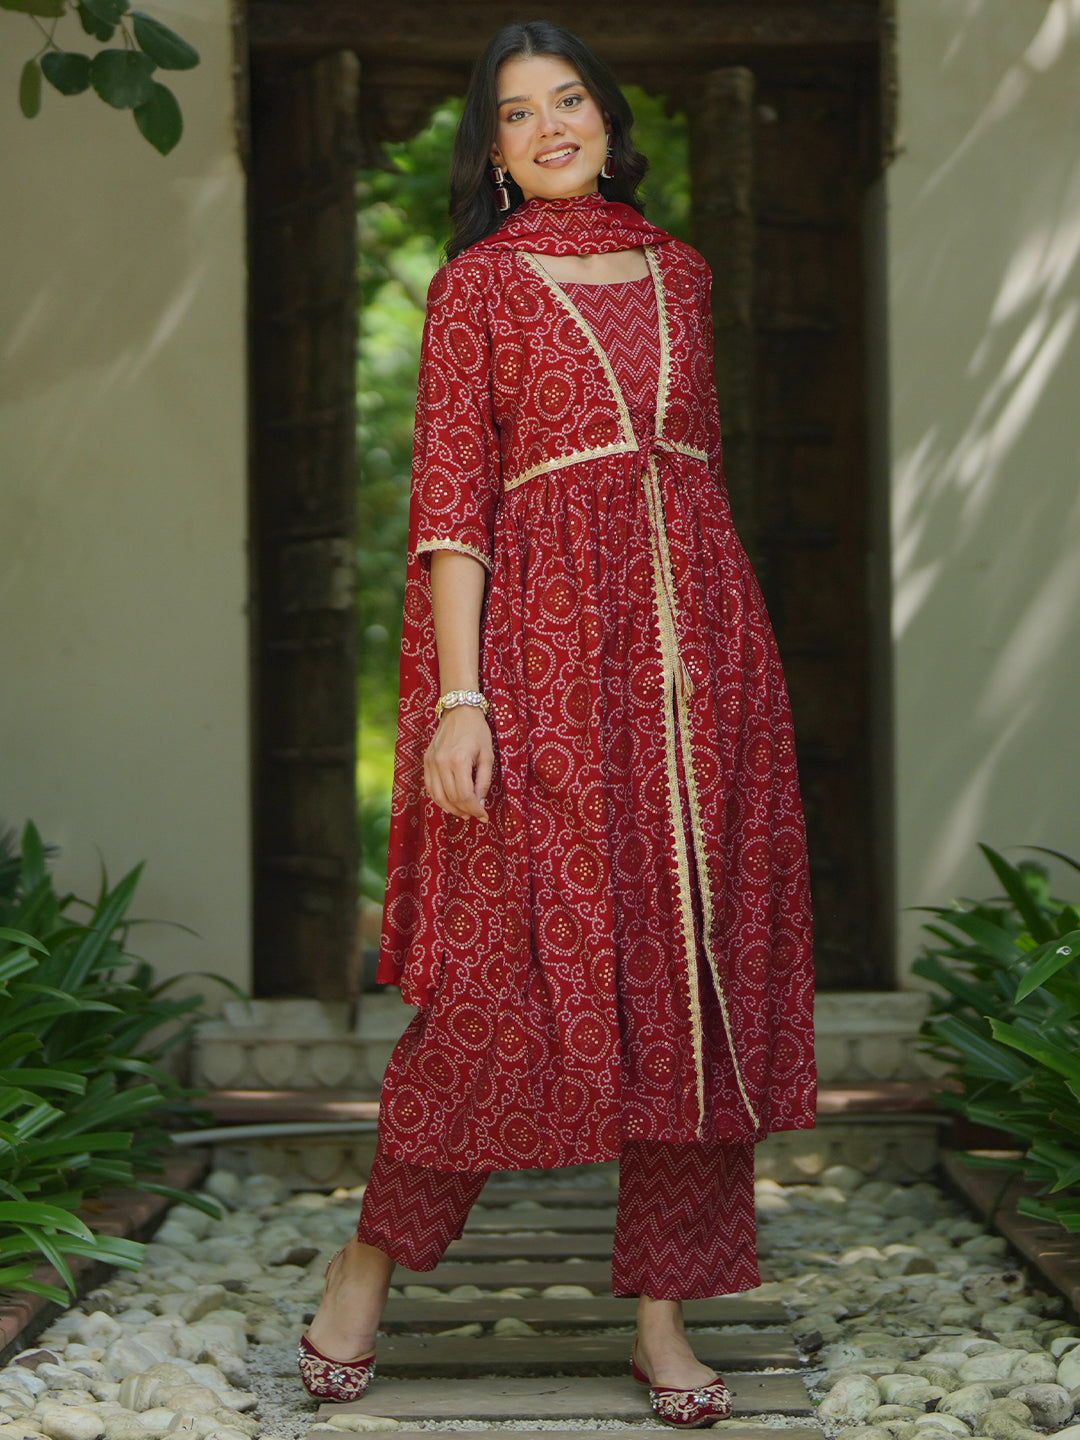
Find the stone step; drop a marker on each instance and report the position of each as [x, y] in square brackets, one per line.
[577, 1197]
[595, 1274]
[561, 1398]
[731, 1429]
[538, 1247]
[404, 1356]
[571, 1314]
[578, 1221]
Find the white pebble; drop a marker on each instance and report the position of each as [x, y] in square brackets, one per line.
[1068, 1369]
[68, 1422]
[853, 1398]
[511, 1325]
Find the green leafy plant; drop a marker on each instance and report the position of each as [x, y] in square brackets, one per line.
[1008, 1026]
[120, 74]
[84, 1098]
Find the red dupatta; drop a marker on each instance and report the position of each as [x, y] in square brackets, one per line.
[573, 225]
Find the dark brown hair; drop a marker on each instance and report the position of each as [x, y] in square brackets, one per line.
[473, 213]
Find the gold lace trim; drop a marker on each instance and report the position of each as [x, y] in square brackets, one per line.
[681, 449]
[668, 663]
[665, 338]
[578, 458]
[697, 831]
[457, 545]
[682, 684]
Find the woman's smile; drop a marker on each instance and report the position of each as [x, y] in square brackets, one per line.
[552, 158]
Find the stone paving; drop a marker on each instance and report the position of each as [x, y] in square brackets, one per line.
[887, 1313]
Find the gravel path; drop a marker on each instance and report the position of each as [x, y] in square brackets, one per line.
[920, 1323]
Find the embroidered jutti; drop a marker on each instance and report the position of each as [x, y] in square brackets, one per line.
[623, 953]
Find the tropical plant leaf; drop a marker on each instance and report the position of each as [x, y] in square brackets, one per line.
[19, 962]
[20, 937]
[1054, 1057]
[195, 1199]
[982, 1056]
[1053, 956]
[17, 1277]
[110, 1249]
[1057, 854]
[44, 1079]
[49, 1217]
[1020, 895]
[995, 941]
[42, 1240]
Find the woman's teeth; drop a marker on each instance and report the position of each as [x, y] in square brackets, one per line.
[557, 155]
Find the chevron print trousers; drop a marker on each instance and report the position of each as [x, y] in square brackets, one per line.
[685, 1227]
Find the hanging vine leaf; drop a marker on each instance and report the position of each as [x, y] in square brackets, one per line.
[163, 45]
[107, 11]
[68, 73]
[30, 89]
[47, 9]
[159, 119]
[92, 25]
[123, 78]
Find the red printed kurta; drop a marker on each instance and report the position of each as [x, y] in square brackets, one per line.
[623, 951]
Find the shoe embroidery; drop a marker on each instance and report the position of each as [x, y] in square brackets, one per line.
[333, 1379]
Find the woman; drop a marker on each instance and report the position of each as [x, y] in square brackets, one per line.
[597, 893]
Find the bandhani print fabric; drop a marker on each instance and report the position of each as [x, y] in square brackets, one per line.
[623, 953]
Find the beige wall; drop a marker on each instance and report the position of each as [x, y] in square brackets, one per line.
[123, 670]
[983, 242]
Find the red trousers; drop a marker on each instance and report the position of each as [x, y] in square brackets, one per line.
[685, 1227]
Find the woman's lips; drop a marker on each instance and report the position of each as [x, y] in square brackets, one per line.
[557, 160]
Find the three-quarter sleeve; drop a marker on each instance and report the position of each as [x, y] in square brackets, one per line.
[456, 456]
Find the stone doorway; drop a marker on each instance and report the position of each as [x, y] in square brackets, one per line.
[789, 112]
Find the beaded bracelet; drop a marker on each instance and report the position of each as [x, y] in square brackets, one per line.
[460, 697]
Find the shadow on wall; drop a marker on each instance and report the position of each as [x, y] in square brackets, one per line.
[985, 238]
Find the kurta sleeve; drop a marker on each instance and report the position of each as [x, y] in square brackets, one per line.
[456, 455]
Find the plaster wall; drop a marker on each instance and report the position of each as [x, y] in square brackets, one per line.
[123, 645]
[983, 240]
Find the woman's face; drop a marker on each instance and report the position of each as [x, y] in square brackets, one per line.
[551, 134]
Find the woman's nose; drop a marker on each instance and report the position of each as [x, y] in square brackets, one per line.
[551, 124]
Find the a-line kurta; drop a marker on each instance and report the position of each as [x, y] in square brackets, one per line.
[644, 830]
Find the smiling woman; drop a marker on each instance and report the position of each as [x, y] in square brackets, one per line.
[537, 91]
[597, 893]
[554, 139]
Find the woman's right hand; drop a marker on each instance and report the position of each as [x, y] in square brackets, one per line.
[458, 763]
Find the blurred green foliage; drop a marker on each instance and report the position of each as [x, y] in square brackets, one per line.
[403, 227]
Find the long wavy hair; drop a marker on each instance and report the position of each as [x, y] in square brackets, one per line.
[473, 213]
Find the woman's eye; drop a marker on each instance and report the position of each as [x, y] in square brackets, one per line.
[514, 114]
[572, 99]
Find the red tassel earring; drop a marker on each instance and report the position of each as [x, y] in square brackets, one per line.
[608, 172]
[502, 194]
